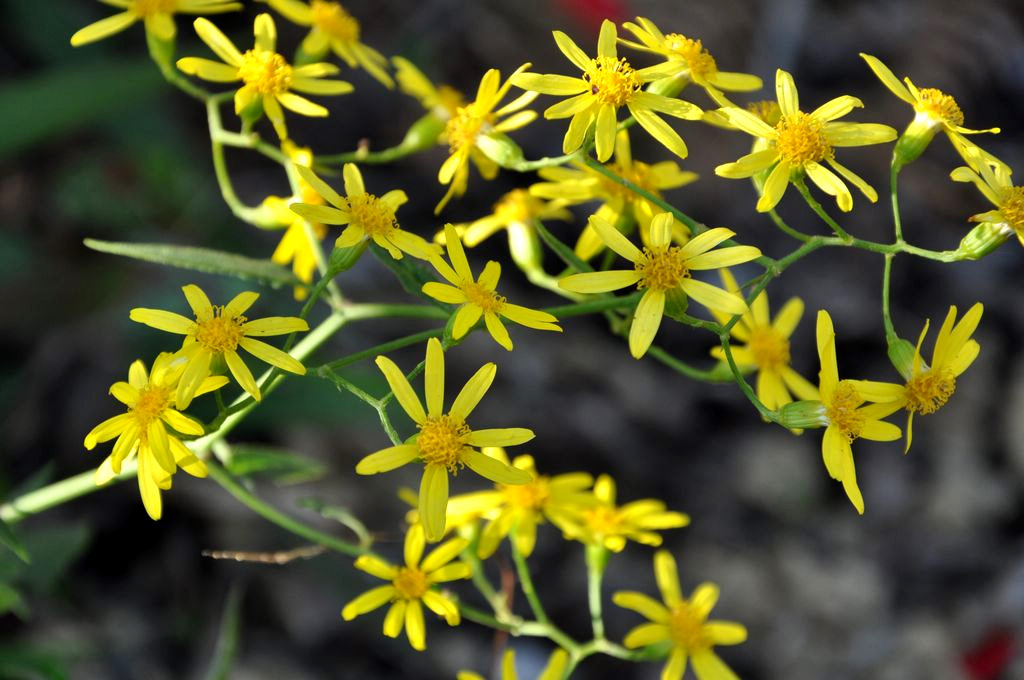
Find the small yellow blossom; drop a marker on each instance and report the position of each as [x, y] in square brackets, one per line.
[606, 524]
[334, 28]
[445, 441]
[143, 430]
[479, 297]
[766, 347]
[441, 100]
[157, 15]
[663, 270]
[801, 143]
[607, 84]
[995, 184]
[476, 132]
[218, 332]
[266, 76]
[553, 670]
[412, 586]
[369, 217]
[516, 212]
[683, 623]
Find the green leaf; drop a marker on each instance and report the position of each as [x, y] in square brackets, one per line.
[341, 515]
[201, 259]
[283, 467]
[21, 662]
[8, 538]
[53, 549]
[227, 639]
[11, 601]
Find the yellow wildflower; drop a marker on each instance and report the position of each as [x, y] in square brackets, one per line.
[368, 216]
[479, 297]
[143, 430]
[157, 15]
[334, 28]
[766, 347]
[218, 332]
[476, 132]
[802, 142]
[607, 84]
[412, 586]
[441, 100]
[266, 76]
[445, 441]
[995, 184]
[664, 270]
[553, 670]
[683, 623]
[515, 212]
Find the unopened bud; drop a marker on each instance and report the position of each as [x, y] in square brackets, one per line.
[915, 139]
[424, 133]
[901, 354]
[500, 149]
[983, 239]
[676, 303]
[803, 415]
[342, 259]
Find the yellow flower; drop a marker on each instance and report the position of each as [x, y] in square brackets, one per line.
[585, 184]
[479, 297]
[933, 110]
[516, 510]
[441, 100]
[515, 212]
[553, 670]
[691, 61]
[143, 430]
[266, 76]
[844, 414]
[445, 441]
[802, 142]
[606, 524]
[995, 183]
[476, 132]
[683, 623]
[155, 14]
[369, 217]
[412, 587]
[607, 84]
[664, 270]
[218, 332]
[333, 27]
[766, 347]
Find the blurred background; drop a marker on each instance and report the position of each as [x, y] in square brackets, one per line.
[929, 583]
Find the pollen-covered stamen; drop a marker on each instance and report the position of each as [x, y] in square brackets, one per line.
[800, 139]
[698, 59]
[266, 72]
[153, 400]
[441, 440]
[939, 106]
[464, 126]
[1012, 208]
[334, 20]
[372, 214]
[929, 391]
[220, 333]
[145, 8]
[686, 628]
[661, 267]
[530, 496]
[482, 297]
[638, 173]
[770, 349]
[410, 583]
[842, 410]
[612, 81]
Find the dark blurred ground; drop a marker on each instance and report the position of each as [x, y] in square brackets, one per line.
[93, 144]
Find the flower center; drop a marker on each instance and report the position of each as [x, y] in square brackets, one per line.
[842, 411]
[441, 440]
[463, 127]
[662, 267]
[410, 583]
[332, 19]
[516, 206]
[602, 520]
[265, 71]
[1012, 208]
[700, 61]
[939, 105]
[145, 8]
[800, 139]
[638, 172]
[484, 298]
[686, 628]
[928, 392]
[220, 333]
[153, 399]
[530, 496]
[767, 110]
[372, 214]
[770, 349]
[612, 81]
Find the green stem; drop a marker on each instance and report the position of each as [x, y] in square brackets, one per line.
[367, 157]
[801, 186]
[526, 581]
[243, 212]
[683, 368]
[894, 182]
[546, 162]
[592, 306]
[786, 229]
[597, 559]
[694, 226]
[765, 412]
[890, 330]
[382, 348]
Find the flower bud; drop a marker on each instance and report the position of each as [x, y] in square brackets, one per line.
[915, 139]
[901, 354]
[500, 149]
[525, 248]
[676, 303]
[802, 415]
[424, 133]
[982, 240]
[342, 259]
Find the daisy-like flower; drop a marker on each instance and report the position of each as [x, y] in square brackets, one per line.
[607, 84]
[445, 441]
[479, 297]
[934, 110]
[516, 510]
[683, 623]
[151, 428]
[662, 270]
[766, 347]
[691, 61]
[553, 670]
[335, 29]
[846, 416]
[412, 586]
[266, 76]
[157, 15]
[218, 332]
[995, 184]
[801, 144]
[584, 184]
[476, 132]
[441, 100]
[369, 217]
[604, 523]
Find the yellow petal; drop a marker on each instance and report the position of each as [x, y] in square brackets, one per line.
[713, 297]
[785, 91]
[646, 321]
[208, 69]
[368, 601]
[642, 604]
[218, 42]
[507, 436]
[473, 391]
[888, 78]
[774, 187]
[572, 51]
[493, 469]
[646, 634]
[707, 666]
[274, 325]
[198, 301]
[667, 576]
[497, 330]
[433, 500]
[272, 356]
[402, 389]
[242, 374]
[415, 628]
[660, 130]
[414, 544]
